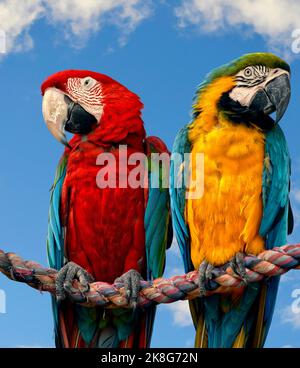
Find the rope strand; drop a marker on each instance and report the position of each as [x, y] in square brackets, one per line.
[269, 263]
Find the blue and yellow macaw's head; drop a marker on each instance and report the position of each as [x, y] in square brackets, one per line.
[247, 90]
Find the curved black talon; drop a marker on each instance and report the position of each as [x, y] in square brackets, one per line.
[132, 285]
[65, 277]
[237, 263]
[205, 273]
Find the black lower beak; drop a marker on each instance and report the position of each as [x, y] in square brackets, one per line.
[274, 97]
[79, 120]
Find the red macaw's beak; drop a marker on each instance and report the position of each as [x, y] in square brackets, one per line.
[63, 114]
[55, 113]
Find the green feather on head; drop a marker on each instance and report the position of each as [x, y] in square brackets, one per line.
[258, 58]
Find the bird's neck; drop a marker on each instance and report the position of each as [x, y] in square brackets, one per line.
[206, 104]
[115, 129]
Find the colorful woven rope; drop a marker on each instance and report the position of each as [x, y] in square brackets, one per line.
[269, 263]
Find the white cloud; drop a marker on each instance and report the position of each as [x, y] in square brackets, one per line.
[78, 19]
[174, 248]
[171, 271]
[275, 20]
[180, 313]
[189, 343]
[288, 277]
[16, 18]
[295, 197]
[288, 316]
[296, 194]
[88, 16]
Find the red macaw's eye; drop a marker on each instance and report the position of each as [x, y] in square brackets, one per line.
[88, 82]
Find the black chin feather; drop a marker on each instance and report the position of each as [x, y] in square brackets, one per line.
[239, 114]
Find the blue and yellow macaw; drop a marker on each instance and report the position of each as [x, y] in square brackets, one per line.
[245, 205]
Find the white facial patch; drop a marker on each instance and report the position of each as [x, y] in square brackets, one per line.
[252, 79]
[244, 95]
[87, 92]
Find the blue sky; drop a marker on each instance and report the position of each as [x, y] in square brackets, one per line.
[160, 50]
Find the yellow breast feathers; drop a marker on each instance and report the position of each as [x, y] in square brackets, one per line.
[226, 219]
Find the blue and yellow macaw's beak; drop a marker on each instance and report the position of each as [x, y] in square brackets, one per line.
[260, 90]
[274, 95]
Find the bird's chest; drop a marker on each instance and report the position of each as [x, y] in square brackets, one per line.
[98, 215]
[230, 208]
[233, 160]
[93, 167]
[99, 177]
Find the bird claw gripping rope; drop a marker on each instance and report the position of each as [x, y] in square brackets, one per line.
[269, 263]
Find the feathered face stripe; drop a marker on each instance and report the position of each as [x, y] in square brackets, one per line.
[252, 76]
[88, 93]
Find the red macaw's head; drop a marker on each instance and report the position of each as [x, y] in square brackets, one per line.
[88, 103]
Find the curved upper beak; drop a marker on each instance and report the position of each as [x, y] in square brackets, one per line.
[274, 96]
[55, 113]
[279, 93]
[63, 114]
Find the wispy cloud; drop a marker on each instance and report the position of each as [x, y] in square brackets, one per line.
[295, 197]
[287, 347]
[174, 249]
[289, 277]
[296, 194]
[275, 20]
[189, 343]
[76, 18]
[16, 19]
[288, 316]
[180, 313]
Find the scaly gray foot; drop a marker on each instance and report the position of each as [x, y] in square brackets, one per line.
[132, 285]
[237, 263]
[65, 277]
[205, 273]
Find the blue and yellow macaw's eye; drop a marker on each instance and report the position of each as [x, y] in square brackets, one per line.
[252, 76]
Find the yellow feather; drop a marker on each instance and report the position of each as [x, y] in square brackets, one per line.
[226, 219]
[240, 340]
[201, 334]
[259, 330]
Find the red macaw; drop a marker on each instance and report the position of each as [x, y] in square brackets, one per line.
[101, 232]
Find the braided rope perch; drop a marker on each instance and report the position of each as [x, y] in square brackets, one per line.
[269, 263]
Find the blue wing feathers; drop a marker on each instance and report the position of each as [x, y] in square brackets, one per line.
[157, 217]
[274, 228]
[156, 222]
[276, 178]
[55, 241]
[180, 147]
[274, 225]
